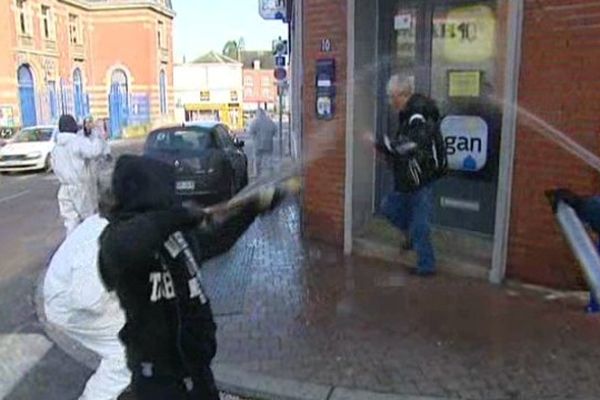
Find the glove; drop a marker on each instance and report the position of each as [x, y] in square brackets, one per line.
[564, 195]
[271, 197]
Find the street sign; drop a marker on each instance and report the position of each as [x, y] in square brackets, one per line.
[280, 73]
[272, 9]
[280, 61]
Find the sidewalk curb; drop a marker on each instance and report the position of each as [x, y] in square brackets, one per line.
[230, 379]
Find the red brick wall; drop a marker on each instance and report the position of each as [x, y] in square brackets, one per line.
[559, 82]
[324, 141]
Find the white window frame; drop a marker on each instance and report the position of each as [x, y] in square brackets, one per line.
[47, 19]
[78, 34]
[25, 11]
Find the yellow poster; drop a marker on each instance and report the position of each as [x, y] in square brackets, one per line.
[468, 34]
[464, 83]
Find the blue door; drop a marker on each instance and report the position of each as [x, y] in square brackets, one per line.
[52, 101]
[118, 103]
[27, 96]
[78, 98]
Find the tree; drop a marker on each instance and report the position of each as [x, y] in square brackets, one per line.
[233, 49]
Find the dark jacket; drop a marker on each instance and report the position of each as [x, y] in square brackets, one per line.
[150, 255]
[416, 153]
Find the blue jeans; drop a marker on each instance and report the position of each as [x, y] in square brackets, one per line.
[411, 213]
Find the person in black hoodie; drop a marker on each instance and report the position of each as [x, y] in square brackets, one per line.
[417, 156]
[150, 255]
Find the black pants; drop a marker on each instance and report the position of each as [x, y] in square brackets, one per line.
[162, 387]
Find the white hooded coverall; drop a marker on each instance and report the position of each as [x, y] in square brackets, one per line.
[77, 302]
[71, 157]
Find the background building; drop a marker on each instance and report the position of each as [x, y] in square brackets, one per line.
[112, 59]
[210, 88]
[259, 83]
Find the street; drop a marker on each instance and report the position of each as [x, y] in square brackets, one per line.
[31, 367]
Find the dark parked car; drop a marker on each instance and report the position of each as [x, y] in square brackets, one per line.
[210, 164]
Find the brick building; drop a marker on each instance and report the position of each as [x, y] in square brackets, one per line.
[210, 88]
[259, 83]
[478, 59]
[108, 58]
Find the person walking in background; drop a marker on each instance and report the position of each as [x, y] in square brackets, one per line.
[263, 131]
[417, 156]
[76, 199]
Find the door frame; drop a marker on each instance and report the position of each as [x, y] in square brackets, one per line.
[514, 29]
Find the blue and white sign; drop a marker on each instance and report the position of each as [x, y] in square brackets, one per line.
[280, 61]
[272, 9]
[466, 139]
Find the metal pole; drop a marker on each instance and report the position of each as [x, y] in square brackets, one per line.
[280, 126]
[582, 246]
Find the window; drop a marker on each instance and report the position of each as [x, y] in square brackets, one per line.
[192, 139]
[233, 95]
[163, 92]
[248, 92]
[161, 35]
[266, 81]
[225, 138]
[24, 18]
[248, 81]
[266, 92]
[204, 95]
[48, 29]
[74, 31]
[78, 93]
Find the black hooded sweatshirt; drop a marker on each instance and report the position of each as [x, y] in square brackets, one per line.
[150, 255]
[416, 153]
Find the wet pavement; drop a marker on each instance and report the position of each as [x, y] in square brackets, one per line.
[310, 314]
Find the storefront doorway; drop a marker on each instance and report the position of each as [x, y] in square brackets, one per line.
[453, 51]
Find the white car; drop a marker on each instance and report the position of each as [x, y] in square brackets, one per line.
[28, 150]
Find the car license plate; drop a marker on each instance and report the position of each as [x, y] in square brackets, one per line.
[186, 185]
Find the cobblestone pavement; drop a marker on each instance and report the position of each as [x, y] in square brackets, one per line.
[312, 315]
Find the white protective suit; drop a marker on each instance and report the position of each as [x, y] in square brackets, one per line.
[263, 131]
[76, 301]
[95, 166]
[77, 195]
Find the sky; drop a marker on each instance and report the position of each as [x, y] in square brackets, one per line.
[205, 25]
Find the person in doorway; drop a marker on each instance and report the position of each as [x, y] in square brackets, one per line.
[417, 156]
[76, 302]
[262, 130]
[150, 255]
[70, 158]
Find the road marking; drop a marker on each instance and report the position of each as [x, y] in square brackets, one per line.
[19, 353]
[14, 196]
